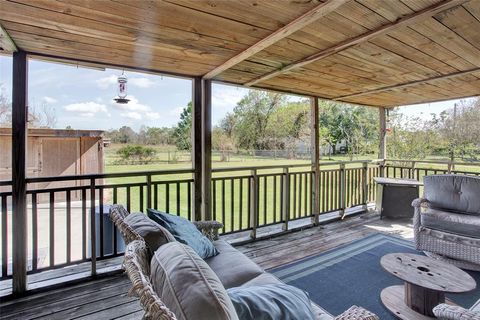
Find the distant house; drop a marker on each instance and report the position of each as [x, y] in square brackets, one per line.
[52, 152]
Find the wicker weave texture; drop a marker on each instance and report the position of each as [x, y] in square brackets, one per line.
[461, 251]
[448, 312]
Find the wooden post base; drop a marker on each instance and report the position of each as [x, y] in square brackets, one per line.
[394, 299]
[422, 300]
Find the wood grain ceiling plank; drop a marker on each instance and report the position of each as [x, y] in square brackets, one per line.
[295, 25]
[385, 29]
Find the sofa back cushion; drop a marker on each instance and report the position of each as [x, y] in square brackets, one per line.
[188, 286]
[153, 233]
[457, 193]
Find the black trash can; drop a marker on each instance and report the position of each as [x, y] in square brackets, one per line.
[108, 232]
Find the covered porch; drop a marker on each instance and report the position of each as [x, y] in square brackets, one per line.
[361, 52]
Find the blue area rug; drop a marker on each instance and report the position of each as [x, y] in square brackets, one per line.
[352, 274]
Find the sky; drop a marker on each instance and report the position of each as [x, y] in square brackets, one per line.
[83, 97]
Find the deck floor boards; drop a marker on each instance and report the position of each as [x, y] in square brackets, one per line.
[107, 298]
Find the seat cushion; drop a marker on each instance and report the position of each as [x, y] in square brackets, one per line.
[231, 266]
[467, 225]
[268, 278]
[453, 192]
[271, 302]
[264, 278]
[187, 285]
[185, 232]
[153, 233]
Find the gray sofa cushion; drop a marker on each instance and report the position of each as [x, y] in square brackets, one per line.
[271, 302]
[453, 192]
[231, 266]
[187, 286]
[467, 225]
[153, 233]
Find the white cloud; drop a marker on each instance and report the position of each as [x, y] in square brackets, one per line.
[141, 82]
[86, 109]
[106, 82]
[227, 97]
[176, 112]
[132, 115]
[49, 100]
[153, 115]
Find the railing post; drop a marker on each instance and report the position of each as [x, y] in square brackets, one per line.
[286, 198]
[19, 185]
[149, 191]
[253, 203]
[343, 190]
[93, 231]
[450, 167]
[414, 164]
[365, 185]
[382, 166]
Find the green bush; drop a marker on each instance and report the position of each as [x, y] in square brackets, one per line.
[136, 154]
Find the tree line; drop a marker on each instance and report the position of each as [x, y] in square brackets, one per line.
[272, 121]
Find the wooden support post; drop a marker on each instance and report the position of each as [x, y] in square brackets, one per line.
[315, 146]
[197, 147]
[19, 186]
[382, 148]
[206, 149]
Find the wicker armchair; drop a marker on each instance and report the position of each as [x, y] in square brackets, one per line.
[438, 219]
[448, 312]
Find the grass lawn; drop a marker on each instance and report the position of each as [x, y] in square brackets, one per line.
[229, 206]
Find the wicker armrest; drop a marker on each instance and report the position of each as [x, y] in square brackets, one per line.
[209, 228]
[448, 312]
[421, 202]
[357, 313]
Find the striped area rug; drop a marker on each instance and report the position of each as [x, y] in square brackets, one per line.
[352, 274]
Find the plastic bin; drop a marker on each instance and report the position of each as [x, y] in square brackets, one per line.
[108, 229]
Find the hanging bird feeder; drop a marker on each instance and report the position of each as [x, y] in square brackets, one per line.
[122, 90]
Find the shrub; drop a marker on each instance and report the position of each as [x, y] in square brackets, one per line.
[136, 154]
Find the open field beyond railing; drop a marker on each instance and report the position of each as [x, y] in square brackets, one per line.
[68, 215]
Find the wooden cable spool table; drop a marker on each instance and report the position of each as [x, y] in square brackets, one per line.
[426, 282]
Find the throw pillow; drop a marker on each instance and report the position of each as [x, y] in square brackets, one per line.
[271, 302]
[153, 233]
[185, 232]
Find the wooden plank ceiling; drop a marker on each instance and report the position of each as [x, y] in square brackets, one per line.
[371, 52]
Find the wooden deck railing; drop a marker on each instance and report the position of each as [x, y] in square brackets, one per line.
[67, 224]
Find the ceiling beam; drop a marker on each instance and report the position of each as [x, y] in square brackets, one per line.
[6, 43]
[385, 29]
[299, 23]
[409, 84]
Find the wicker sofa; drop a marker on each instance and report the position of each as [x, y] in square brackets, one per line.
[447, 220]
[232, 268]
[448, 312]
